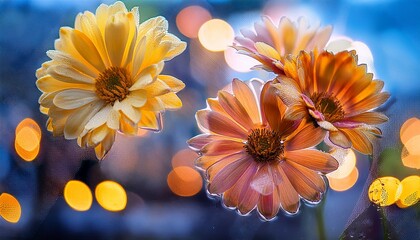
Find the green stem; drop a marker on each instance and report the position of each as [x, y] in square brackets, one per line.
[320, 220]
[384, 223]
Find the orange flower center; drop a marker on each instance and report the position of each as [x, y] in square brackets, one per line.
[328, 105]
[264, 145]
[113, 84]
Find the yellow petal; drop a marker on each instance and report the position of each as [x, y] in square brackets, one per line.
[267, 50]
[171, 101]
[174, 83]
[116, 35]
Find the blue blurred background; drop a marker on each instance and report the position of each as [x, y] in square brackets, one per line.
[141, 165]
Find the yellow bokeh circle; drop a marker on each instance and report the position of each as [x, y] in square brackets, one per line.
[10, 208]
[27, 139]
[344, 184]
[184, 181]
[347, 163]
[385, 191]
[78, 195]
[216, 35]
[111, 196]
[410, 191]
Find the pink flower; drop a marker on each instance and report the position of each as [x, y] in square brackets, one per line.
[254, 157]
[270, 44]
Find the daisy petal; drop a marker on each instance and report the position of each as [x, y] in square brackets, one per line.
[308, 136]
[263, 181]
[247, 98]
[242, 192]
[369, 118]
[78, 119]
[228, 176]
[235, 109]
[359, 140]
[289, 198]
[201, 140]
[307, 183]
[339, 139]
[219, 124]
[269, 205]
[74, 98]
[313, 159]
[222, 147]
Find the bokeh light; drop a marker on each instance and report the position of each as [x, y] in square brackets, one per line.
[184, 181]
[344, 184]
[78, 195]
[28, 138]
[239, 62]
[190, 19]
[28, 122]
[111, 196]
[409, 160]
[184, 157]
[10, 208]
[413, 145]
[216, 35]
[385, 191]
[347, 163]
[409, 129]
[410, 192]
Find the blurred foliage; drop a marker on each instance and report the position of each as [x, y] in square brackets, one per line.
[390, 164]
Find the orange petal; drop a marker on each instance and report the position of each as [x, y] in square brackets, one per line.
[245, 96]
[270, 109]
[313, 159]
[214, 105]
[339, 139]
[289, 198]
[218, 164]
[324, 71]
[201, 140]
[308, 136]
[269, 205]
[228, 176]
[368, 118]
[368, 103]
[219, 124]
[222, 147]
[307, 183]
[263, 180]
[204, 162]
[241, 195]
[359, 140]
[235, 109]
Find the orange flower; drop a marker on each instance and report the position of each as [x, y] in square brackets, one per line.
[335, 93]
[270, 44]
[254, 157]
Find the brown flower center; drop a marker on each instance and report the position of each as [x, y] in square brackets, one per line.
[264, 145]
[113, 84]
[328, 105]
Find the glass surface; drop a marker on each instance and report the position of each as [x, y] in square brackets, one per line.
[161, 204]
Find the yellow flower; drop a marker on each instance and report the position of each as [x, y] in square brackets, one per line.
[254, 157]
[336, 94]
[270, 44]
[104, 76]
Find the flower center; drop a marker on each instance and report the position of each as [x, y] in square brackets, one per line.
[328, 105]
[264, 145]
[113, 84]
